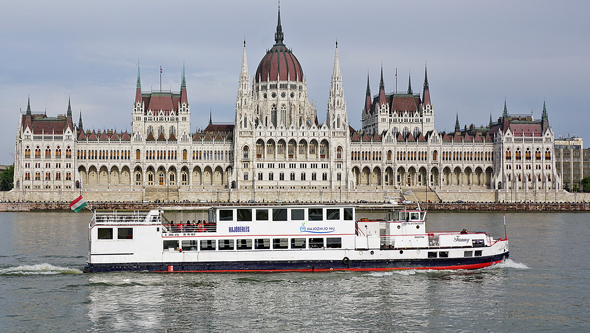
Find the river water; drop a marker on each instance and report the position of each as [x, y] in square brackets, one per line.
[543, 287]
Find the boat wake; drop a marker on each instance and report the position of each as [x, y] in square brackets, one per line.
[38, 269]
[509, 263]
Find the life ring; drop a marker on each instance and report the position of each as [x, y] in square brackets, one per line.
[345, 261]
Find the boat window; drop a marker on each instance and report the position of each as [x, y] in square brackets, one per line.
[279, 214]
[298, 243]
[207, 245]
[348, 214]
[477, 242]
[432, 254]
[478, 253]
[226, 215]
[415, 216]
[468, 253]
[443, 254]
[280, 243]
[170, 245]
[125, 233]
[333, 214]
[262, 215]
[226, 244]
[316, 214]
[244, 244]
[403, 216]
[316, 243]
[244, 214]
[105, 233]
[190, 245]
[297, 214]
[334, 242]
[262, 243]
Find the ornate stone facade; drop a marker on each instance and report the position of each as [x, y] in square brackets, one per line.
[277, 150]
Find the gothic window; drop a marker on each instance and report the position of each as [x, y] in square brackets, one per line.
[405, 132]
[48, 152]
[281, 176]
[58, 176]
[339, 153]
[259, 148]
[58, 152]
[273, 115]
[547, 154]
[527, 154]
[434, 155]
[37, 176]
[303, 176]
[338, 176]
[161, 178]
[518, 155]
[27, 152]
[338, 122]
[260, 176]
[150, 129]
[160, 130]
[184, 154]
[292, 176]
[508, 154]
[284, 114]
[538, 154]
[27, 176]
[271, 176]
[416, 132]
[324, 176]
[313, 176]
[245, 176]
[245, 151]
[47, 176]
[68, 176]
[172, 130]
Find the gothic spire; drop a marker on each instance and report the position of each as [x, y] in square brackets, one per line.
[381, 89]
[368, 96]
[279, 34]
[138, 87]
[457, 126]
[69, 115]
[491, 122]
[80, 122]
[138, 79]
[336, 106]
[505, 113]
[409, 84]
[426, 90]
[29, 106]
[183, 79]
[210, 119]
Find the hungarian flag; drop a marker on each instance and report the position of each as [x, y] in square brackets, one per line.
[78, 204]
[160, 69]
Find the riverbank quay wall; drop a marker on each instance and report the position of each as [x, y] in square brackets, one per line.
[371, 207]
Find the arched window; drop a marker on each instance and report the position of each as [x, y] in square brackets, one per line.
[48, 152]
[508, 154]
[339, 153]
[434, 155]
[184, 154]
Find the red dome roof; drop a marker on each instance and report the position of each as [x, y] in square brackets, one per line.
[279, 61]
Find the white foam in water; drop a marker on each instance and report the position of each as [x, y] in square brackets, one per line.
[38, 269]
[509, 263]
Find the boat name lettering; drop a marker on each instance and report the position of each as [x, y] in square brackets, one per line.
[240, 228]
[317, 229]
[458, 239]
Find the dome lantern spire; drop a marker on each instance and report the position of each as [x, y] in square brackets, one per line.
[279, 34]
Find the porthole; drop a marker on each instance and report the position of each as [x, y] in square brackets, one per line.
[399, 226]
[401, 251]
[417, 227]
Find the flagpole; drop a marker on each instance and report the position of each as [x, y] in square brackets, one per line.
[160, 78]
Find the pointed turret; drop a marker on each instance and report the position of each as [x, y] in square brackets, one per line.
[279, 34]
[69, 114]
[29, 106]
[382, 100]
[426, 90]
[409, 85]
[210, 118]
[457, 126]
[183, 97]
[505, 113]
[491, 122]
[368, 97]
[80, 126]
[337, 115]
[138, 88]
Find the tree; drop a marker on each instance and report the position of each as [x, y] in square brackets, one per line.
[586, 184]
[6, 179]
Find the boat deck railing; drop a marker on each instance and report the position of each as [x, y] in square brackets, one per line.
[123, 218]
[189, 228]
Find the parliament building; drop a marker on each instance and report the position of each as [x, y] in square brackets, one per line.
[277, 150]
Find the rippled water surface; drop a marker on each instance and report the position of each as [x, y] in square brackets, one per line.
[543, 287]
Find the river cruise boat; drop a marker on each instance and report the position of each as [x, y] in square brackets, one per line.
[311, 238]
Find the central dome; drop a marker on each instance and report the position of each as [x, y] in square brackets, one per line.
[279, 63]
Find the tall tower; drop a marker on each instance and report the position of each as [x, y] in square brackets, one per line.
[337, 118]
[244, 100]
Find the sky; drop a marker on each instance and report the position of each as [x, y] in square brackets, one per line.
[478, 54]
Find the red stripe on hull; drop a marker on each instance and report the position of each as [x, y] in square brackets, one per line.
[473, 266]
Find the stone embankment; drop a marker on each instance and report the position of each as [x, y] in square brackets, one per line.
[467, 207]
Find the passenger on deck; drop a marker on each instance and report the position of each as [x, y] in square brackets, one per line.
[464, 231]
[200, 227]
